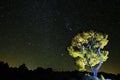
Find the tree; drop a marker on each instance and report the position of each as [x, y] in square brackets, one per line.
[87, 50]
[23, 68]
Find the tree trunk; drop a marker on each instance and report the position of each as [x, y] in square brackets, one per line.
[95, 72]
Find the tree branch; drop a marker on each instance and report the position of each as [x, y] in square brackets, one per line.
[100, 64]
[99, 50]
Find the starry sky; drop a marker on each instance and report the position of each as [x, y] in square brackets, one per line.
[37, 32]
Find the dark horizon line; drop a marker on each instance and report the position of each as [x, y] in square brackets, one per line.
[24, 66]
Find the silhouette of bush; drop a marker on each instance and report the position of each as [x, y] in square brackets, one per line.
[22, 73]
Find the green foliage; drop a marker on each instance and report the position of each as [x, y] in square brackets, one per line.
[85, 49]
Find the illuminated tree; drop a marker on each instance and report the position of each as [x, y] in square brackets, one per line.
[87, 49]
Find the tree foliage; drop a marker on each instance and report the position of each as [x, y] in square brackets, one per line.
[87, 49]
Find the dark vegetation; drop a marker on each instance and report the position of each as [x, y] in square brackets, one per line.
[22, 73]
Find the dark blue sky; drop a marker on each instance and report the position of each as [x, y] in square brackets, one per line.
[37, 32]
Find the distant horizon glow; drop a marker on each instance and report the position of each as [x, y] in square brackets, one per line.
[30, 67]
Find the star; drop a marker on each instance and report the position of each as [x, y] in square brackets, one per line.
[62, 54]
[30, 44]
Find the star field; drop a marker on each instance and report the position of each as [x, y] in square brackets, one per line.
[37, 32]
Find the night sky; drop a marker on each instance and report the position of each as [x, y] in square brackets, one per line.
[37, 32]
